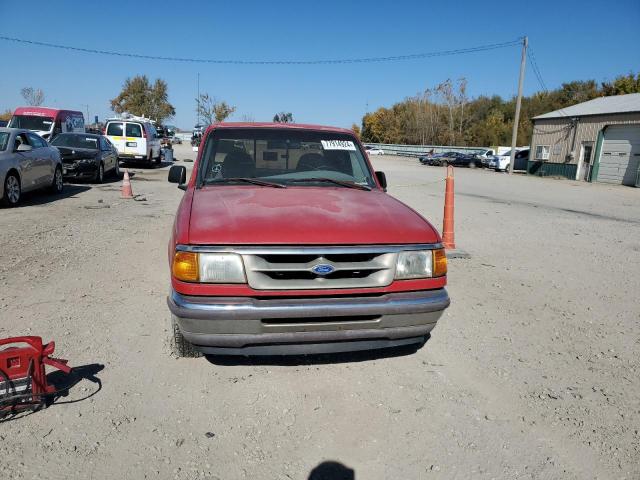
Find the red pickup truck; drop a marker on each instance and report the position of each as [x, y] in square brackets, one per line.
[285, 242]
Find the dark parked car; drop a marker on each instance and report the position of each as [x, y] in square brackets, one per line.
[86, 156]
[3, 123]
[458, 159]
[433, 159]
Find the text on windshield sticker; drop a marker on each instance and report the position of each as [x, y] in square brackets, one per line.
[338, 145]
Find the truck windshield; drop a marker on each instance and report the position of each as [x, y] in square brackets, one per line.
[303, 158]
[31, 122]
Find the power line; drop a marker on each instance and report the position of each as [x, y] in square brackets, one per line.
[536, 71]
[394, 58]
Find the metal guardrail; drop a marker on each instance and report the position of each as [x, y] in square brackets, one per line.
[417, 150]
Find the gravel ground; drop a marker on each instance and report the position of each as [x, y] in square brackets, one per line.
[532, 372]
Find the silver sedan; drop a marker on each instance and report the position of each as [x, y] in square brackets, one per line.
[27, 162]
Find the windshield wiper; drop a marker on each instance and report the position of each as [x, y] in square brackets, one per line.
[255, 181]
[331, 180]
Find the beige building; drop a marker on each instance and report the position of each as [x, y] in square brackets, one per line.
[598, 140]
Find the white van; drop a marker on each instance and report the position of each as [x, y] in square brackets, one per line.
[135, 138]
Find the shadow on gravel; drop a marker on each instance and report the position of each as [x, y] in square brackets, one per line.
[331, 470]
[63, 383]
[144, 166]
[319, 359]
[42, 197]
[109, 178]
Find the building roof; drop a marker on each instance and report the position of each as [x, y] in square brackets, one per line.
[598, 106]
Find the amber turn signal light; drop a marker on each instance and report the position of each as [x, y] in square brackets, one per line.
[439, 263]
[185, 266]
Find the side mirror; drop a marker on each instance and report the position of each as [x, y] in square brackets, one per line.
[178, 174]
[382, 180]
[23, 147]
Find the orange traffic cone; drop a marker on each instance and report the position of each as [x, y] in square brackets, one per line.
[126, 191]
[448, 237]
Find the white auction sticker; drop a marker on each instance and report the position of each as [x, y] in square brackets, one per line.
[338, 145]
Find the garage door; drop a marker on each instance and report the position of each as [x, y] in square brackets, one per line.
[620, 155]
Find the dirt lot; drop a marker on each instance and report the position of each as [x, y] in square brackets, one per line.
[532, 373]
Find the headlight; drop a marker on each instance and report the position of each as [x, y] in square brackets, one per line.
[221, 268]
[421, 264]
[208, 267]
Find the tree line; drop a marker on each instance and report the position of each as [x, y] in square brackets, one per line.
[444, 115]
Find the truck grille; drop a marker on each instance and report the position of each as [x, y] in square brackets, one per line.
[293, 271]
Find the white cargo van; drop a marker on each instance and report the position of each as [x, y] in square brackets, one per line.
[135, 138]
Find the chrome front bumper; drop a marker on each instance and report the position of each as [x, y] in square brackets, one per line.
[241, 325]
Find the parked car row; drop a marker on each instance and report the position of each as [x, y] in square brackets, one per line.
[485, 158]
[40, 147]
[451, 158]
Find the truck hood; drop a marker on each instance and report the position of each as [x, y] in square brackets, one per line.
[248, 215]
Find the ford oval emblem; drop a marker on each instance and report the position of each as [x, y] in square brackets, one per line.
[322, 269]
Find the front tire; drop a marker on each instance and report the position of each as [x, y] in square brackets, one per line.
[57, 185]
[179, 346]
[116, 169]
[12, 190]
[100, 173]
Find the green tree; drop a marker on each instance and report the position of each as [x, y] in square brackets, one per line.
[139, 97]
[283, 117]
[211, 110]
[6, 116]
[443, 115]
[622, 85]
[356, 129]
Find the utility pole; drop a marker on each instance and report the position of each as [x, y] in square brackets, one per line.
[87, 107]
[198, 121]
[516, 120]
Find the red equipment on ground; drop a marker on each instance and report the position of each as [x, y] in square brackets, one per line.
[23, 379]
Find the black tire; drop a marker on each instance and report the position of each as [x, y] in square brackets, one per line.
[116, 169]
[150, 159]
[57, 184]
[472, 164]
[12, 190]
[506, 169]
[159, 157]
[179, 346]
[100, 173]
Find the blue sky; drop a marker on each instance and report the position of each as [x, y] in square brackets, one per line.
[571, 40]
